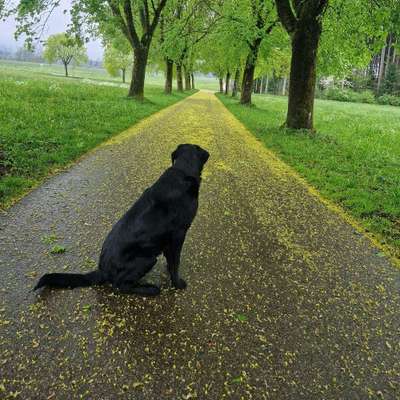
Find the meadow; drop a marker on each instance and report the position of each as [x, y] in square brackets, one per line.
[352, 159]
[86, 74]
[48, 121]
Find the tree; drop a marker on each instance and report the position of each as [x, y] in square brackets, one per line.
[353, 32]
[187, 24]
[137, 20]
[303, 22]
[391, 84]
[6, 8]
[262, 24]
[64, 48]
[117, 61]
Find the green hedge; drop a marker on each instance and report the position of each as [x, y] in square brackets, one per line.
[389, 99]
[365, 96]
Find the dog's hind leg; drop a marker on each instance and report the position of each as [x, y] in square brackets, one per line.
[128, 281]
[173, 255]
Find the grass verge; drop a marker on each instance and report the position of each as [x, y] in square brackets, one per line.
[45, 123]
[353, 160]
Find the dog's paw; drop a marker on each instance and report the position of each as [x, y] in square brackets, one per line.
[180, 284]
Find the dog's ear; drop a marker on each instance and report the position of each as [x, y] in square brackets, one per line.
[204, 155]
[174, 155]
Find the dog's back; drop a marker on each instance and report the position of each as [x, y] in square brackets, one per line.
[168, 205]
[156, 223]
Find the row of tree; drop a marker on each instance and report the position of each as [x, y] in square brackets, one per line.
[237, 40]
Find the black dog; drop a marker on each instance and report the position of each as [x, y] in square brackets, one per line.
[157, 223]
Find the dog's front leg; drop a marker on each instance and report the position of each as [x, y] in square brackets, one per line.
[173, 255]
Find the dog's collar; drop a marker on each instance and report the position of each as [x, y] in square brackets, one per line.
[185, 173]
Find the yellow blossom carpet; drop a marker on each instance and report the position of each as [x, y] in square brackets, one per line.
[285, 298]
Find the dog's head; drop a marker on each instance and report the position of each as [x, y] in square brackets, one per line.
[191, 153]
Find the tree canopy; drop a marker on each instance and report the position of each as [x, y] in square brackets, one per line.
[64, 48]
[245, 39]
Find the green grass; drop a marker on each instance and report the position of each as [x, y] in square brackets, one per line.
[37, 70]
[354, 159]
[47, 122]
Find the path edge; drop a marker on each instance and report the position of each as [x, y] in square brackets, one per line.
[333, 207]
[133, 130]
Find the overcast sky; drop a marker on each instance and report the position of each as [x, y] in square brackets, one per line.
[57, 23]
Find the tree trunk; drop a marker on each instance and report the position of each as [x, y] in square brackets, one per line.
[247, 83]
[266, 85]
[193, 80]
[227, 81]
[381, 69]
[221, 85]
[123, 75]
[169, 65]
[389, 47]
[284, 86]
[66, 68]
[187, 80]
[305, 42]
[248, 73]
[136, 89]
[179, 81]
[263, 84]
[235, 82]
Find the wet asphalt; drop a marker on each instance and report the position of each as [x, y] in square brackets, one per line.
[285, 299]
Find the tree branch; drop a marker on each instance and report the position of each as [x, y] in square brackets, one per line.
[124, 26]
[156, 18]
[286, 15]
[130, 23]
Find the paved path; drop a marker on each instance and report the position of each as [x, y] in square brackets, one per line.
[285, 299]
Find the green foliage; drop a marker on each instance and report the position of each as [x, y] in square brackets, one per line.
[6, 8]
[388, 99]
[353, 159]
[58, 249]
[353, 32]
[241, 22]
[62, 47]
[47, 123]
[334, 93]
[116, 60]
[391, 83]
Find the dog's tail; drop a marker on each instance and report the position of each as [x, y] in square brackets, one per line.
[63, 280]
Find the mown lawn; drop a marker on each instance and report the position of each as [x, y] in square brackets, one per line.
[45, 123]
[353, 159]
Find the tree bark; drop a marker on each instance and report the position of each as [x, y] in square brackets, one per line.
[235, 82]
[284, 86]
[248, 73]
[123, 75]
[258, 85]
[305, 42]
[136, 89]
[263, 84]
[169, 66]
[66, 68]
[187, 80]
[193, 81]
[221, 85]
[381, 69]
[227, 81]
[389, 48]
[179, 81]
